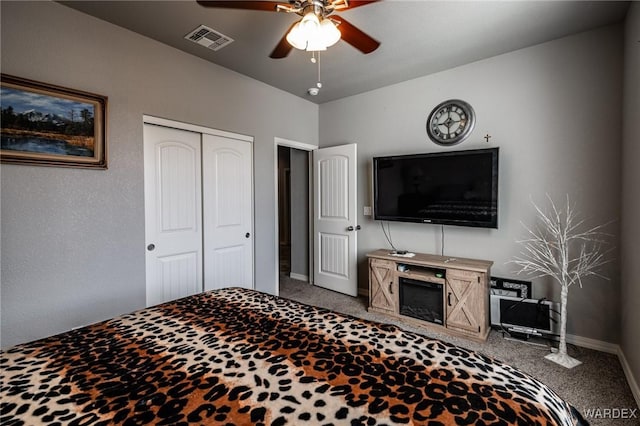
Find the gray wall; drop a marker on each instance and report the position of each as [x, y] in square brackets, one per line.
[299, 163]
[553, 109]
[630, 225]
[73, 240]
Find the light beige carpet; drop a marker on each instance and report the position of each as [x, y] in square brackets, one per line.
[598, 383]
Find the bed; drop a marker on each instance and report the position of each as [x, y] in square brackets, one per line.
[240, 357]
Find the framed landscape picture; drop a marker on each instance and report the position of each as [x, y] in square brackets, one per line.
[48, 125]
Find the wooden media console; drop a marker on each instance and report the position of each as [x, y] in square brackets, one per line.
[456, 291]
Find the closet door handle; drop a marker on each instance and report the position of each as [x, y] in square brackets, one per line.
[151, 247]
[247, 235]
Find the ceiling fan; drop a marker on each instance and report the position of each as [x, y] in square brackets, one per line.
[318, 29]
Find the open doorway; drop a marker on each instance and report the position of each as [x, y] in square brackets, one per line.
[293, 214]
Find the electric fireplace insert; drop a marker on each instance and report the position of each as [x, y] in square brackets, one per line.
[422, 300]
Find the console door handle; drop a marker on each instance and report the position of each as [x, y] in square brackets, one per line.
[391, 287]
[449, 299]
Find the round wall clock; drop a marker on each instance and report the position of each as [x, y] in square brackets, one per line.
[450, 122]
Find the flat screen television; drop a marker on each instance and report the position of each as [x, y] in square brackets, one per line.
[448, 188]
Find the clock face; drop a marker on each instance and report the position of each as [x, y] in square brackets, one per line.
[450, 122]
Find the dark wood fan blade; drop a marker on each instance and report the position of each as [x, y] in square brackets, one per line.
[269, 6]
[356, 37]
[358, 3]
[283, 47]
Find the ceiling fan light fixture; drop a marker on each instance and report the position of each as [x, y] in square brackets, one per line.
[330, 33]
[295, 37]
[312, 35]
[309, 28]
[310, 22]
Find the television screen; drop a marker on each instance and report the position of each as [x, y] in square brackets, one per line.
[449, 188]
[528, 315]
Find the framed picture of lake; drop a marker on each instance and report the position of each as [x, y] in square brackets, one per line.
[47, 125]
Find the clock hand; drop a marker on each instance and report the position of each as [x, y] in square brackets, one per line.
[449, 122]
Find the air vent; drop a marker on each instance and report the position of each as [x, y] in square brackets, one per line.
[208, 38]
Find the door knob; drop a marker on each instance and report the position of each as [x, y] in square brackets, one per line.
[247, 235]
[350, 228]
[358, 227]
[151, 247]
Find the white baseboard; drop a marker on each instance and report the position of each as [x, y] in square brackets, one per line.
[598, 345]
[633, 384]
[299, 277]
[611, 348]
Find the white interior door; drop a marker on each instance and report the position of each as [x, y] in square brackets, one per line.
[173, 206]
[228, 212]
[335, 224]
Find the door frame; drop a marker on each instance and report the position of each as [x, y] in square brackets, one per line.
[303, 147]
[150, 119]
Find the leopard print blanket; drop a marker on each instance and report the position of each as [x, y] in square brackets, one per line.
[241, 357]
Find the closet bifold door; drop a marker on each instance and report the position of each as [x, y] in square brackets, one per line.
[173, 213]
[198, 211]
[227, 212]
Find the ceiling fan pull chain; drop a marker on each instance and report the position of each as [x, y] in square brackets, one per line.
[319, 83]
[313, 91]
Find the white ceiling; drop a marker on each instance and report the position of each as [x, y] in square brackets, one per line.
[417, 37]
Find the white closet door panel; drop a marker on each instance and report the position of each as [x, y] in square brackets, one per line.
[228, 266]
[179, 275]
[173, 210]
[228, 212]
[228, 207]
[177, 186]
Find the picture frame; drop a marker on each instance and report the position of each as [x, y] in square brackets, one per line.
[511, 287]
[47, 125]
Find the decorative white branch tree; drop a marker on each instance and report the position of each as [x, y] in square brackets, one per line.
[562, 247]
